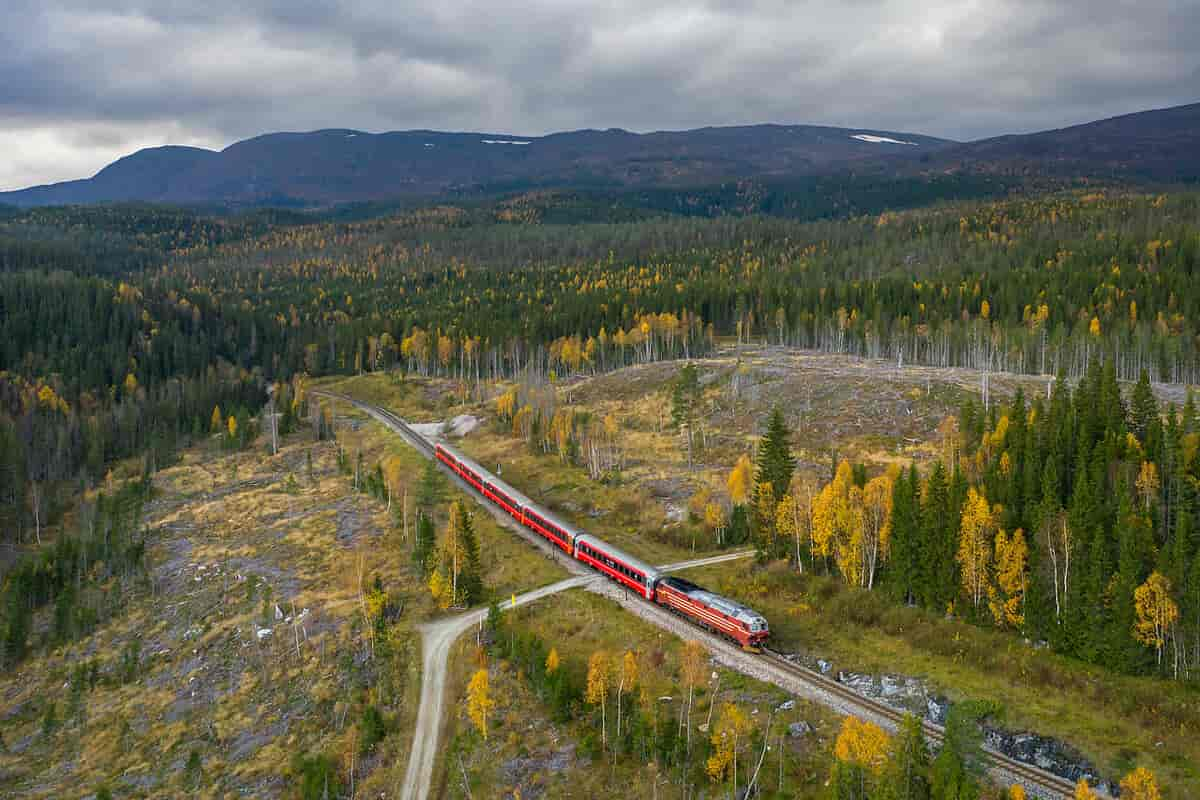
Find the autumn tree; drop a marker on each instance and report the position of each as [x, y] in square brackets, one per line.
[1006, 595]
[728, 738]
[626, 682]
[837, 524]
[876, 525]
[1140, 785]
[599, 682]
[976, 534]
[479, 701]
[216, 420]
[861, 752]
[1083, 791]
[739, 481]
[1156, 611]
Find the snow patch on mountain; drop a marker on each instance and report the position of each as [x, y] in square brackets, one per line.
[867, 137]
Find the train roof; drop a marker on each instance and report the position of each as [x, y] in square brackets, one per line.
[486, 475]
[723, 604]
[650, 572]
[567, 527]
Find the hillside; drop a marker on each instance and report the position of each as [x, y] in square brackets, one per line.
[340, 166]
[1159, 145]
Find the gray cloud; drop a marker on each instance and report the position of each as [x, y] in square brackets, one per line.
[84, 81]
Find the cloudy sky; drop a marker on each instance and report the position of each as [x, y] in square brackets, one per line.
[83, 82]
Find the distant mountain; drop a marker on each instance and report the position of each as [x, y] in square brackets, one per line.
[1161, 145]
[332, 167]
[339, 166]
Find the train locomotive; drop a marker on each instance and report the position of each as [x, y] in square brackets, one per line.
[706, 609]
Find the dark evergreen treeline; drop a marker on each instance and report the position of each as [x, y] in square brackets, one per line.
[1103, 491]
[81, 575]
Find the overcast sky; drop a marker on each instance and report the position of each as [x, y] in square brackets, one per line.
[83, 82]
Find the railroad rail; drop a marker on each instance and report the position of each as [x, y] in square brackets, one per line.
[1037, 781]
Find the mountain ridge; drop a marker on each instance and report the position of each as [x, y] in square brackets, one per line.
[334, 166]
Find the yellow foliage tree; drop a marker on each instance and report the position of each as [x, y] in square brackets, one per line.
[728, 737]
[440, 589]
[1156, 612]
[765, 512]
[862, 743]
[1094, 327]
[714, 519]
[628, 679]
[740, 479]
[976, 533]
[1083, 791]
[216, 420]
[506, 404]
[479, 701]
[1148, 483]
[552, 661]
[837, 522]
[876, 526]
[131, 384]
[232, 426]
[1140, 785]
[599, 680]
[1006, 597]
[1016, 792]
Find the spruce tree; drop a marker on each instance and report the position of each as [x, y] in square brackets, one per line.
[1143, 409]
[430, 490]
[423, 545]
[938, 581]
[906, 774]
[903, 567]
[775, 460]
[470, 578]
[959, 764]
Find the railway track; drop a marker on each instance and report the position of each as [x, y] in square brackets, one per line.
[1037, 781]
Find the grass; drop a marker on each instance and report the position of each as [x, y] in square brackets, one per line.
[530, 751]
[1116, 721]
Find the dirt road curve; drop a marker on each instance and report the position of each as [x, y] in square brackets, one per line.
[436, 639]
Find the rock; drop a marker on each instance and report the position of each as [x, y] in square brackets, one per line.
[278, 612]
[798, 729]
[264, 633]
[891, 686]
[936, 709]
[824, 666]
[787, 705]
[863, 684]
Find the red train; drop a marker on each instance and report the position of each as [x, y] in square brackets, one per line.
[712, 611]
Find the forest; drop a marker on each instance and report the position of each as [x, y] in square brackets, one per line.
[124, 328]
